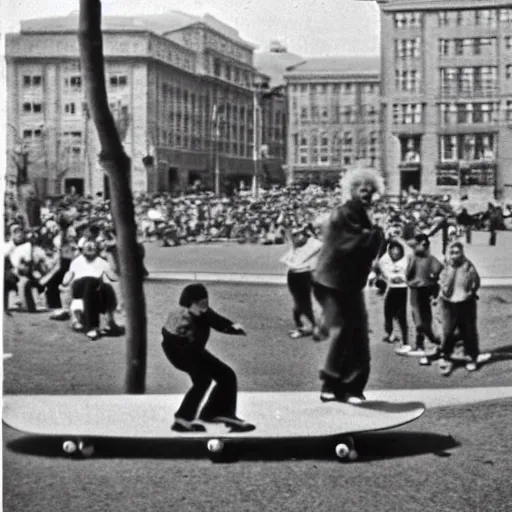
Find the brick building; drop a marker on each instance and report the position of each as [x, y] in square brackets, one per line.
[181, 89]
[447, 96]
[334, 122]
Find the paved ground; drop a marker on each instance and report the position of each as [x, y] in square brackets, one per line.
[253, 258]
[453, 459]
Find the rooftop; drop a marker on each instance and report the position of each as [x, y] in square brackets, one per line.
[340, 65]
[275, 63]
[160, 24]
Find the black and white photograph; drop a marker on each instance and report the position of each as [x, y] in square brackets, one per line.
[257, 255]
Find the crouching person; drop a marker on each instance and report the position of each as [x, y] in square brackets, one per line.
[459, 283]
[92, 294]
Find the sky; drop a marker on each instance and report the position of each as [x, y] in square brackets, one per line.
[307, 27]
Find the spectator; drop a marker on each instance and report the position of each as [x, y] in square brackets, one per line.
[459, 284]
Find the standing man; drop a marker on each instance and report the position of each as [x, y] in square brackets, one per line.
[351, 243]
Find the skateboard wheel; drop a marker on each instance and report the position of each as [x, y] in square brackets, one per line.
[342, 451]
[215, 446]
[86, 450]
[69, 447]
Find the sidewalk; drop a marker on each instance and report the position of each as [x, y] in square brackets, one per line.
[275, 279]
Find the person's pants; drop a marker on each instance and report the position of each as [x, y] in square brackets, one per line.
[299, 284]
[53, 294]
[395, 307]
[461, 315]
[422, 316]
[347, 365]
[492, 237]
[98, 298]
[203, 368]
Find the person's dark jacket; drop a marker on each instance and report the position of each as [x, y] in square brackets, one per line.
[184, 329]
[350, 246]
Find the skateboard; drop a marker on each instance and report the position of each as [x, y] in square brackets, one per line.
[80, 420]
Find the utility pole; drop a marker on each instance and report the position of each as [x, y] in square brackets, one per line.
[216, 137]
[256, 140]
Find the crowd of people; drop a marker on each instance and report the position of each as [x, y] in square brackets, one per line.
[73, 231]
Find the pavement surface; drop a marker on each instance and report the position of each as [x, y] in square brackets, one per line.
[253, 263]
[455, 458]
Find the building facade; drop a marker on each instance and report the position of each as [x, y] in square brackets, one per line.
[180, 87]
[334, 116]
[447, 96]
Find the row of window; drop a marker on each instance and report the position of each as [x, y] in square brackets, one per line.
[469, 147]
[477, 17]
[336, 113]
[469, 80]
[471, 46]
[227, 71]
[75, 81]
[345, 88]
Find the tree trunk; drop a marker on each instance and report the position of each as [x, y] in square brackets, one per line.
[117, 165]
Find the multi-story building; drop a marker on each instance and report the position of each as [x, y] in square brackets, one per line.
[334, 122]
[180, 87]
[446, 83]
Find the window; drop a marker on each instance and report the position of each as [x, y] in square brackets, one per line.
[32, 80]
[448, 148]
[409, 113]
[324, 149]
[407, 48]
[347, 160]
[443, 18]
[487, 17]
[508, 42]
[506, 15]
[508, 111]
[459, 46]
[407, 20]
[347, 114]
[444, 47]
[407, 80]
[303, 88]
[75, 81]
[508, 72]
[118, 80]
[347, 141]
[27, 107]
[347, 88]
[27, 134]
[69, 108]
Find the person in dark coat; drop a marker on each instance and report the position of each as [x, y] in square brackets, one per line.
[185, 335]
[351, 244]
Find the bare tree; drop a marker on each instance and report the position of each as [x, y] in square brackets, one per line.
[117, 165]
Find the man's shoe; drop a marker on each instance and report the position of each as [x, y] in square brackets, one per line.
[183, 425]
[425, 361]
[404, 350]
[445, 367]
[236, 424]
[471, 366]
[113, 330]
[93, 334]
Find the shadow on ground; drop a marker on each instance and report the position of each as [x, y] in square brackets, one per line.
[375, 446]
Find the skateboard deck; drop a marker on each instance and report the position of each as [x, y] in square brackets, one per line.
[276, 415]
